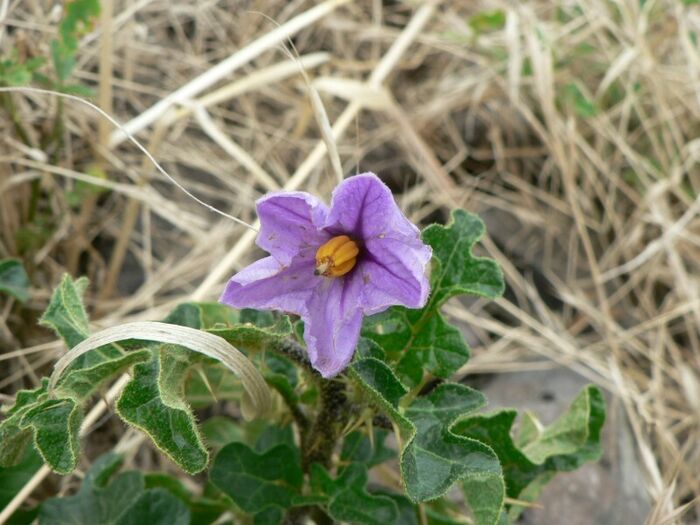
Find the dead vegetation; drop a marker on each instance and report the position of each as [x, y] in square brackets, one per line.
[572, 127]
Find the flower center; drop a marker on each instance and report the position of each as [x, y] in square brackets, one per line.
[336, 257]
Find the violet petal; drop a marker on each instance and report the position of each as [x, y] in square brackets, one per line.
[290, 225]
[268, 285]
[394, 272]
[332, 325]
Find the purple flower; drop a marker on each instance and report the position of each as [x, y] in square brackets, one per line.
[334, 266]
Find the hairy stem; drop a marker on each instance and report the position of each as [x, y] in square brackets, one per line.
[325, 431]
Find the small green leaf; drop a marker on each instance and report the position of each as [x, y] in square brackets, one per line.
[76, 21]
[488, 21]
[153, 401]
[254, 338]
[16, 73]
[246, 329]
[55, 423]
[581, 104]
[257, 481]
[422, 339]
[566, 444]
[66, 314]
[81, 383]
[14, 280]
[13, 436]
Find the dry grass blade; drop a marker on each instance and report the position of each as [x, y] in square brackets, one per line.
[226, 67]
[257, 400]
[570, 127]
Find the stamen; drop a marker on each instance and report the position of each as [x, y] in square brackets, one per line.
[336, 257]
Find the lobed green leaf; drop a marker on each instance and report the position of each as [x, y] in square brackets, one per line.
[65, 313]
[423, 339]
[55, 424]
[434, 457]
[153, 401]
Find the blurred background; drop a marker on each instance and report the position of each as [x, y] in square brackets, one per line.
[571, 126]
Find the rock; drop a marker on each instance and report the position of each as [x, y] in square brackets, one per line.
[609, 492]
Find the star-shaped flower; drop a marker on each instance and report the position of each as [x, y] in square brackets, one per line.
[334, 266]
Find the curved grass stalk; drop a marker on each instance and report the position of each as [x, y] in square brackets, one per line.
[257, 399]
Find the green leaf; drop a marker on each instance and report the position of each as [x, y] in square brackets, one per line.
[582, 105]
[13, 436]
[359, 448]
[245, 329]
[274, 435]
[76, 22]
[254, 338]
[156, 507]
[434, 457]
[566, 444]
[14, 478]
[14, 280]
[422, 339]
[211, 382]
[383, 388]
[348, 500]
[66, 314]
[56, 423]
[82, 189]
[269, 516]
[16, 73]
[257, 481]
[457, 271]
[219, 431]
[82, 91]
[408, 513]
[203, 510]
[114, 500]
[153, 401]
[81, 383]
[488, 21]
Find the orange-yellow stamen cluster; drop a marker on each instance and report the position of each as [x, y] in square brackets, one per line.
[336, 257]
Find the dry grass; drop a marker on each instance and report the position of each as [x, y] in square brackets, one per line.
[573, 129]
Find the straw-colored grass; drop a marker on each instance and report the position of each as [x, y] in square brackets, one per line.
[572, 127]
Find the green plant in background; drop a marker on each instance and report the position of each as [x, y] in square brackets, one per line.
[14, 280]
[76, 21]
[314, 454]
